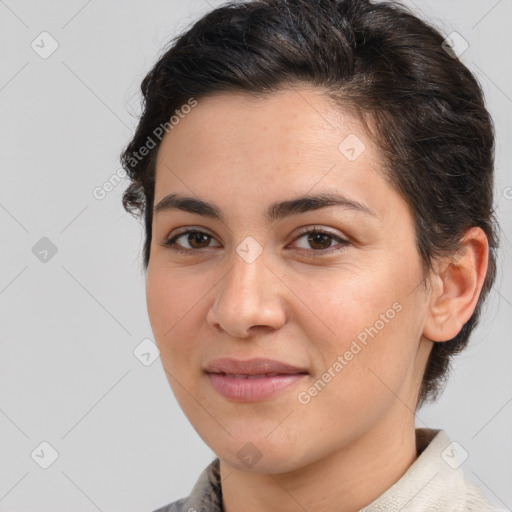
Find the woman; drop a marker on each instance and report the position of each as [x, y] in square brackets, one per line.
[316, 180]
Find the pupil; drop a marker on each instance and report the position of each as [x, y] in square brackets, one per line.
[318, 238]
[198, 238]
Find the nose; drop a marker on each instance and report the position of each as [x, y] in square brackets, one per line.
[249, 298]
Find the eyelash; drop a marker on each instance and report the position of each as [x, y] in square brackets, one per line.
[170, 243]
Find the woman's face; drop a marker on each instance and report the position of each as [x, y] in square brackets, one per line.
[340, 313]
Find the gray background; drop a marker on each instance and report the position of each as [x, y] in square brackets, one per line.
[70, 323]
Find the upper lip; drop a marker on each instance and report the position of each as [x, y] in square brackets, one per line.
[256, 366]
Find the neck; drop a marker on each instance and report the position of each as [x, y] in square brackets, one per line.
[347, 479]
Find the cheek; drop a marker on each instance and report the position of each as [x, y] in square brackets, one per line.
[368, 325]
[349, 305]
[173, 307]
[160, 301]
[361, 368]
[174, 310]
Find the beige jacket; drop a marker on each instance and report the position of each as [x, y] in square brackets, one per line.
[433, 483]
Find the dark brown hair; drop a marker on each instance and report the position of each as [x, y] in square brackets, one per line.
[376, 59]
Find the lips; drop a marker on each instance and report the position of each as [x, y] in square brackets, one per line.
[251, 380]
[251, 367]
[245, 376]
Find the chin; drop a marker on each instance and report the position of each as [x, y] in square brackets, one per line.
[254, 460]
[257, 454]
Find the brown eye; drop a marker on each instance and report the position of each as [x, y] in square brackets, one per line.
[198, 240]
[189, 241]
[319, 240]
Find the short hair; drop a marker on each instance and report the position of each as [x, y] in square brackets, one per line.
[376, 60]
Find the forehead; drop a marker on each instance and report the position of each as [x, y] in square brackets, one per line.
[282, 121]
[253, 148]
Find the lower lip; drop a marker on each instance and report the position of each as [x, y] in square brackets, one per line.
[252, 389]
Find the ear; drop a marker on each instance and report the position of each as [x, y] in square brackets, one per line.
[456, 285]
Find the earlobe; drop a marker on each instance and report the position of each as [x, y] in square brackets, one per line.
[456, 285]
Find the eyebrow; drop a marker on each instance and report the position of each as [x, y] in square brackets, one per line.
[276, 211]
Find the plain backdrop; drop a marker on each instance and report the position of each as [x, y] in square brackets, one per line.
[72, 295]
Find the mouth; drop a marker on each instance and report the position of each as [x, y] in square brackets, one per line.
[252, 380]
[245, 376]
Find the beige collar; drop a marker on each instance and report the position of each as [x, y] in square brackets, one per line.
[433, 483]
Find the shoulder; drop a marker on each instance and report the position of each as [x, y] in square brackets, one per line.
[435, 482]
[176, 506]
[206, 495]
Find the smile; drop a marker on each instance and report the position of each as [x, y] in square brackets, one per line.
[252, 388]
[251, 380]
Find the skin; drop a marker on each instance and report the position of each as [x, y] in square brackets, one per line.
[297, 302]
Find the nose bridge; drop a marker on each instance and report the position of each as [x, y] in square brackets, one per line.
[245, 297]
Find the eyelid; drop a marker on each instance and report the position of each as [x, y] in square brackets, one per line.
[319, 229]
